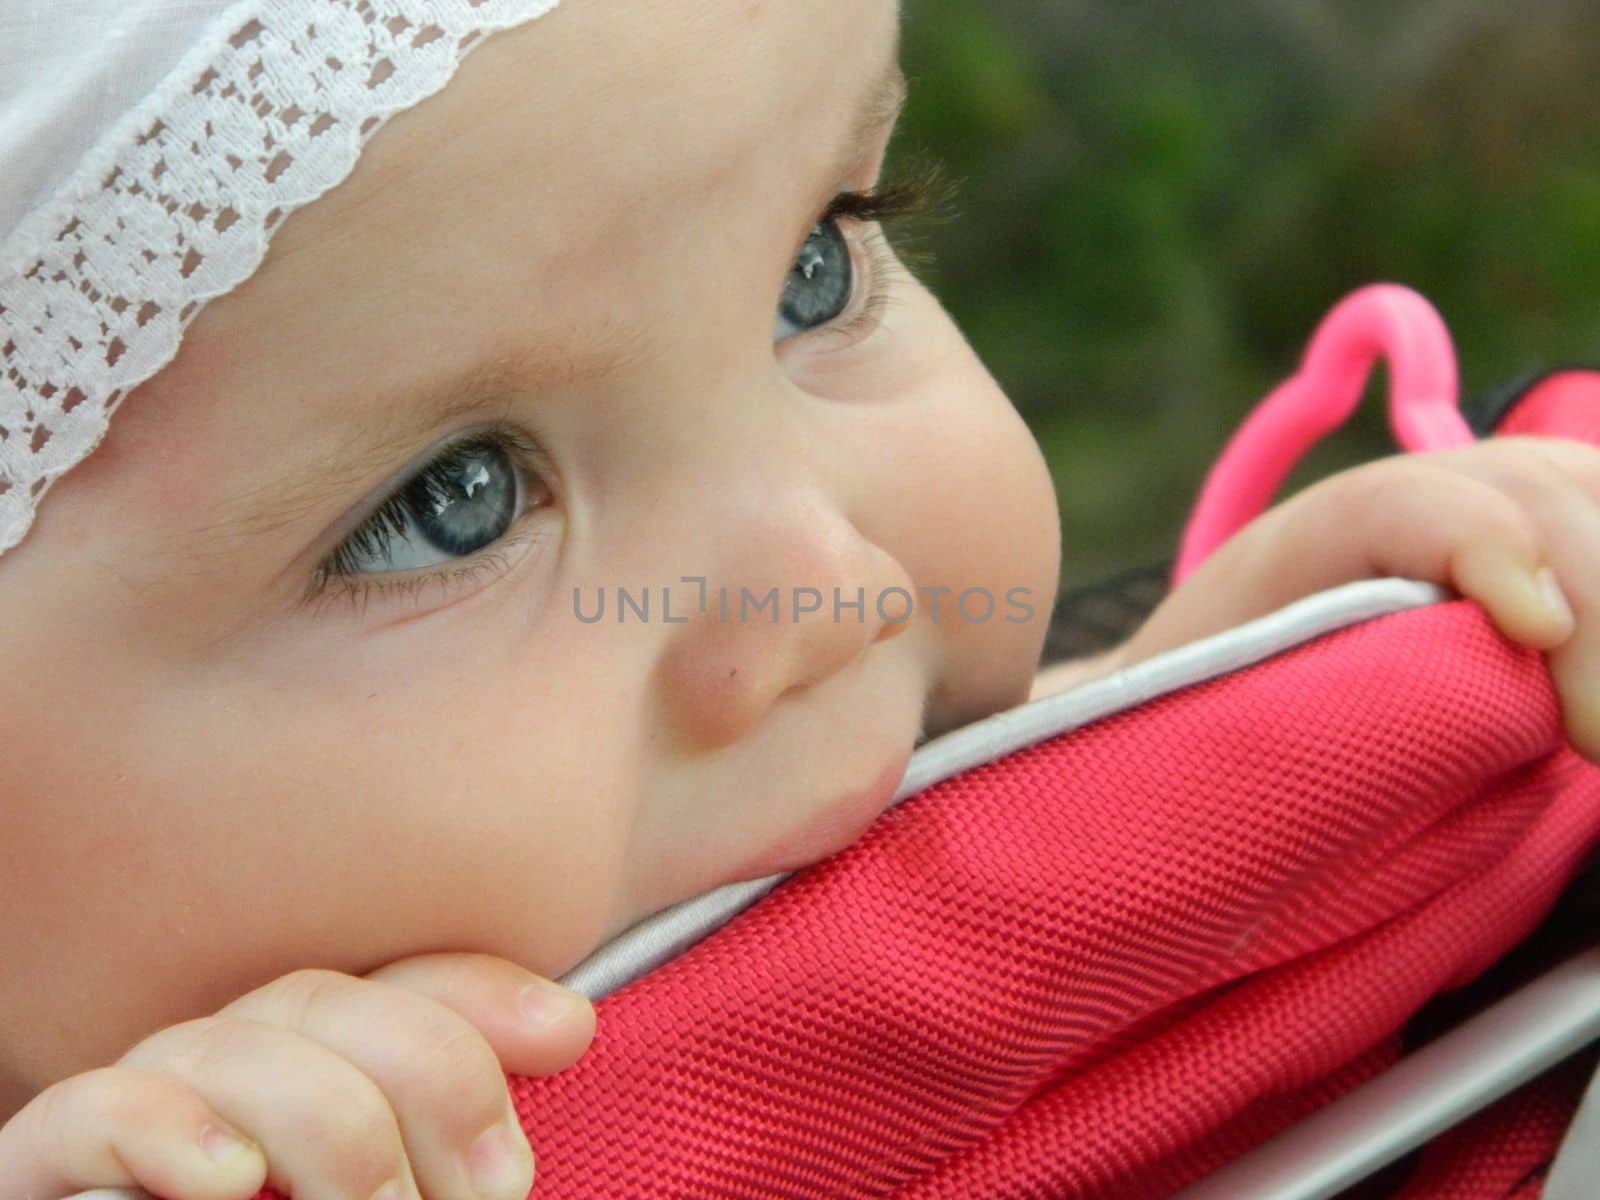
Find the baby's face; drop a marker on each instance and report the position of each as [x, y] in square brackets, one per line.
[250, 728]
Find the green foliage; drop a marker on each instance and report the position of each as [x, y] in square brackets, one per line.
[1159, 200]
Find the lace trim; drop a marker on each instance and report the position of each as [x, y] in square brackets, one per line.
[175, 206]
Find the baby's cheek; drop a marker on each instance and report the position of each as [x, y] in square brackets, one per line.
[979, 518]
[1008, 562]
[473, 807]
[180, 840]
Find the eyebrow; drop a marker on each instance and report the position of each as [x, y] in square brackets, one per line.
[416, 412]
[885, 102]
[413, 414]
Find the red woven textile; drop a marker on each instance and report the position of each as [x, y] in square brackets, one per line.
[1504, 1151]
[1104, 965]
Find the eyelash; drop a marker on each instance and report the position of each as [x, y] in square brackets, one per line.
[335, 579]
[918, 195]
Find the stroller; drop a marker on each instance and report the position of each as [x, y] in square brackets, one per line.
[1299, 911]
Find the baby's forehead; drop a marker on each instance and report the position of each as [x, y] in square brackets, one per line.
[527, 227]
[562, 150]
[569, 152]
[602, 104]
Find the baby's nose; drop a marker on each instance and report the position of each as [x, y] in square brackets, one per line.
[800, 595]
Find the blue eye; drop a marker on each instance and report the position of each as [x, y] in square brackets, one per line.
[460, 503]
[820, 285]
[824, 282]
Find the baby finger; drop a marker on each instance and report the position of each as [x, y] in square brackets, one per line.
[119, 1127]
[326, 1129]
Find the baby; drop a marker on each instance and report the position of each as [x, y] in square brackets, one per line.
[317, 764]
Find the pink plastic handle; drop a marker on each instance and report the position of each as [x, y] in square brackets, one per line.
[1382, 321]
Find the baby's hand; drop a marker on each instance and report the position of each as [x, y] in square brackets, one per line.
[1512, 523]
[388, 1086]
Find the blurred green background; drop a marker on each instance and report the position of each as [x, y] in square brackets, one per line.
[1155, 201]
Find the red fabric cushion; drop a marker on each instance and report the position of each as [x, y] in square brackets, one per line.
[1566, 404]
[1104, 965]
[1503, 1152]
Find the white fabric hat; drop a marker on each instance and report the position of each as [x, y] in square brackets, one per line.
[148, 149]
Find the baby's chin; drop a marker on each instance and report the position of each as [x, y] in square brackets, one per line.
[836, 823]
[839, 820]
[955, 708]
[812, 782]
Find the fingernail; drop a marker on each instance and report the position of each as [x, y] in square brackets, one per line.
[222, 1144]
[544, 1004]
[1554, 598]
[495, 1165]
[389, 1191]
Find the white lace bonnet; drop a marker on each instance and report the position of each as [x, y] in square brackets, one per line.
[148, 149]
